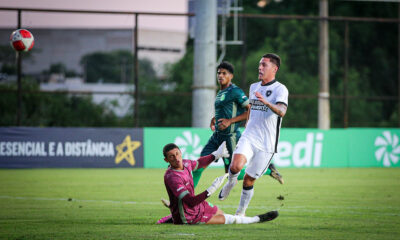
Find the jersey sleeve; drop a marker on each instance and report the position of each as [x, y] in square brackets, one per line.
[193, 164]
[241, 98]
[251, 90]
[282, 96]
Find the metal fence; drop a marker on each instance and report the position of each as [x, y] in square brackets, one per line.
[342, 104]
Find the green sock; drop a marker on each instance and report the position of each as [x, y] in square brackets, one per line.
[242, 172]
[196, 176]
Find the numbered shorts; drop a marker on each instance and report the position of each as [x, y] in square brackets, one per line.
[257, 160]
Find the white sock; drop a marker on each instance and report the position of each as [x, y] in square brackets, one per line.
[231, 219]
[245, 198]
[232, 178]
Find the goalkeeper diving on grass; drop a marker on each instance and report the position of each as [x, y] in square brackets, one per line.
[188, 208]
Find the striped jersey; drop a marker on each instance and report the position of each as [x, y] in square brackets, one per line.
[264, 125]
[229, 103]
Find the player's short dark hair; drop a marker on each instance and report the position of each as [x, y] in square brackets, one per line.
[226, 65]
[168, 148]
[273, 58]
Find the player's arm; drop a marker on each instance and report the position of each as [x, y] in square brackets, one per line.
[279, 108]
[204, 161]
[212, 124]
[222, 151]
[192, 201]
[181, 191]
[223, 123]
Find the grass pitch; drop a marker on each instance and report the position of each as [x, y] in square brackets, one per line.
[125, 204]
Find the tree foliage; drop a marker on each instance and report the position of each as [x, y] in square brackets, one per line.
[51, 110]
[372, 71]
[114, 67]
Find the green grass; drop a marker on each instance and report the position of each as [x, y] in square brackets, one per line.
[125, 204]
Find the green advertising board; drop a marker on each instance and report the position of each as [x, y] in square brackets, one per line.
[374, 147]
[190, 140]
[353, 147]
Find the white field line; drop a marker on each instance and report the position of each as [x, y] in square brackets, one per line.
[285, 208]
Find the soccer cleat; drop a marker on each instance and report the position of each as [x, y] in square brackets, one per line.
[268, 216]
[165, 202]
[275, 174]
[223, 194]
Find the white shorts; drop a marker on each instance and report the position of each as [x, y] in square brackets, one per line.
[257, 160]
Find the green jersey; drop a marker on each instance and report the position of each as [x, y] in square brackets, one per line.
[229, 103]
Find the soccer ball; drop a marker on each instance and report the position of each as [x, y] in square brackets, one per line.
[22, 40]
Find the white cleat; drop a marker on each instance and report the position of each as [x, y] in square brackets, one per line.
[224, 193]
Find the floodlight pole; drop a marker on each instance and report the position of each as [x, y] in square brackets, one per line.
[205, 56]
[323, 96]
[345, 77]
[136, 74]
[398, 68]
[19, 84]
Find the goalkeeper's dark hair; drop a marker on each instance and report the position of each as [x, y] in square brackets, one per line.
[274, 58]
[168, 148]
[226, 65]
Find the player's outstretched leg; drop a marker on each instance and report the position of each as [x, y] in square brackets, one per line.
[271, 171]
[268, 216]
[275, 174]
[196, 176]
[226, 189]
[166, 219]
[234, 219]
[245, 197]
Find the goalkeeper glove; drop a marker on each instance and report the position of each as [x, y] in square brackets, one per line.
[216, 184]
[222, 151]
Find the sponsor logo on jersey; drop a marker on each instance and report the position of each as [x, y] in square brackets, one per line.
[258, 105]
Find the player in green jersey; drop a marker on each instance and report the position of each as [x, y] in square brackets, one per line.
[231, 106]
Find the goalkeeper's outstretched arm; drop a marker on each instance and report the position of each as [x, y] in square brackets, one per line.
[222, 151]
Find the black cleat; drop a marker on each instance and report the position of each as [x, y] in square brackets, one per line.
[269, 216]
[275, 174]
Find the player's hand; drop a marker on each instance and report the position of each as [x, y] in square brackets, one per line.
[223, 123]
[260, 97]
[212, 128]
[212, 124]
[216, 184]
[222, 151]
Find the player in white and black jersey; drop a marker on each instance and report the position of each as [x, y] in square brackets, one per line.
[269, 101]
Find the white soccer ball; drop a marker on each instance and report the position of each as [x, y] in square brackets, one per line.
[22, 40]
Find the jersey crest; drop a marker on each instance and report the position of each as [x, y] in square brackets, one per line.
[222, 97]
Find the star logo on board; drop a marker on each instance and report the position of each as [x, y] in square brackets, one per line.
[189, 145]
[388, 148]
[126, 149]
